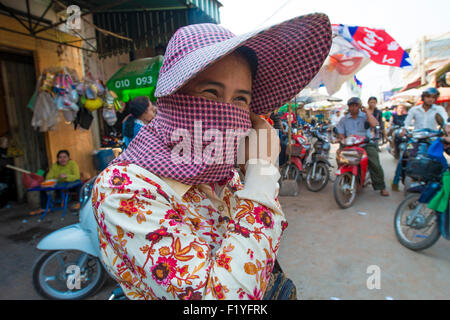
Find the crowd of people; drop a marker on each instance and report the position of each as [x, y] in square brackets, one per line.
[368, 121]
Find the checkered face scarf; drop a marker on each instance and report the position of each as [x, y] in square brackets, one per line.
[288, 56]
[192, 140]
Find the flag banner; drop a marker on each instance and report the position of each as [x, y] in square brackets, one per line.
[343, 61]
[355, 87]
[377, 44]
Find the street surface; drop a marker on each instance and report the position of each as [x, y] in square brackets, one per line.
[326, 251]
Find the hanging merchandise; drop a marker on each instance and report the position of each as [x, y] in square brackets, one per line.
[93, 104]
[45, 112]
[109, 115]
[84, 119]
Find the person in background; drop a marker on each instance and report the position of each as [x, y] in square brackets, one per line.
[290, 116]
[399, 116]
[63, 170]
[301, 114]
[423, 116]
[278, 125]
[355, 123]
[387, 114]
[335, 118]
[142, 111]
[372, 103]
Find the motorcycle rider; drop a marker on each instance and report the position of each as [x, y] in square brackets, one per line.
[357, 122]
[424, 117]
[397, 121]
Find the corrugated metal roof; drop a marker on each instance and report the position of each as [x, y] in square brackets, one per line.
[147, 29]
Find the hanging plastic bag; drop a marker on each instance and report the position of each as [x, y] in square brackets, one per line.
[45, 113]
[69, 115]
[109, 115]
[100, 87]
[93, 104]
[91, 91]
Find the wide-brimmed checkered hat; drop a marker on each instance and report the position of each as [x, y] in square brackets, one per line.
[288, 54]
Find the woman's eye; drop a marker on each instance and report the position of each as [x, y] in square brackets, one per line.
[242, 100]
[211, 92]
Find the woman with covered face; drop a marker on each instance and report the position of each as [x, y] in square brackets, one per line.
[175, 221]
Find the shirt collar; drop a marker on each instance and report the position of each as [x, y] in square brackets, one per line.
[360, 115]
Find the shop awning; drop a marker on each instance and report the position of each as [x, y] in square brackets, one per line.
[148, 23]
[207, 7]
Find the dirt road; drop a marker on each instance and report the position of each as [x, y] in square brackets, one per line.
[325, 250]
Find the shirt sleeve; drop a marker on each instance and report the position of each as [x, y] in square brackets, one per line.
[154, 245]
[340, 127]
[444, 114]
[409, 119]
[52, 173]
[74, 172]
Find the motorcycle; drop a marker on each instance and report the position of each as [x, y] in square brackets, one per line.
[397, 143]
[352, 173]
[416, 146]
[416, 226]
[300, 149]
[317, 166]
[70, 267]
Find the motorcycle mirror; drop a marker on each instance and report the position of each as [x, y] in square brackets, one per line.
[439, 119]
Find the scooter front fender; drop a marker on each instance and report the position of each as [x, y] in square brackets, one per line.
[72, 237]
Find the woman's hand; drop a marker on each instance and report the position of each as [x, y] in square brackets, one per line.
[263, 140]
[62, 176]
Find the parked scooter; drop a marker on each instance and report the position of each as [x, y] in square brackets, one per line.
[299, 150]
[317, 166]
[70, 267]
[352, 173]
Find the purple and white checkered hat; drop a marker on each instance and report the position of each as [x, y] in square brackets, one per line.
[289, 55]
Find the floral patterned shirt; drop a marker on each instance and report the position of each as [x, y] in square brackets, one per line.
[161, 239]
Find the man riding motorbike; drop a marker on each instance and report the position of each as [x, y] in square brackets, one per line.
[424, 117]
[355, 122]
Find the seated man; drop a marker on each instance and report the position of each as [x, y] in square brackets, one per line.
[355, 123]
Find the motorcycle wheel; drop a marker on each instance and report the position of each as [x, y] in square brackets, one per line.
[55, 275]
[343, 194]
[421, 233]
[321, 178]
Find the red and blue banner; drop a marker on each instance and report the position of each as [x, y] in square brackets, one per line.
[377, 44]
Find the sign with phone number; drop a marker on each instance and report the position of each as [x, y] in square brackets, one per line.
[140, 81]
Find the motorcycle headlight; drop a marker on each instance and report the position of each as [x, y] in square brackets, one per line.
[85, 192]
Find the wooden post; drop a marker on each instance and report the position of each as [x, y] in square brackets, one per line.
[289, 131]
